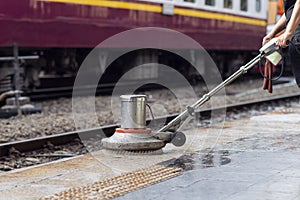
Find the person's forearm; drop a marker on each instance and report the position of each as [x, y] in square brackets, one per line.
[280, 25]
[295, 19]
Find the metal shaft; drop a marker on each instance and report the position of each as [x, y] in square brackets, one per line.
[20, 58]
[17, 77]
[182, 116]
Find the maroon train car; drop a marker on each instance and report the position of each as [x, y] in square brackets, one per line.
[76, 23]
[67, 27]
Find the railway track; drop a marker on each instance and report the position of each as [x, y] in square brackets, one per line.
[65, 138]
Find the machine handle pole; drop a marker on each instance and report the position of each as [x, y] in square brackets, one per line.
[182, 116]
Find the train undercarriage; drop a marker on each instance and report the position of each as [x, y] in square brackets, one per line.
[57, 67]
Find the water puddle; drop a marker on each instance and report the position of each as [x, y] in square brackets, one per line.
[200, 160]
[212, 158]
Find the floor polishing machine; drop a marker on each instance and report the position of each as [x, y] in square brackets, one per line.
[133, 135]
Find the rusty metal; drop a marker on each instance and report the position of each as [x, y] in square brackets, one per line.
[119, 185]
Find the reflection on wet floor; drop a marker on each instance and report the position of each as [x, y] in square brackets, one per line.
[218, 156]
[199, 160]
[221, 154]
[213, 159]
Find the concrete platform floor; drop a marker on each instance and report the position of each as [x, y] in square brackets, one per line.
[249, 176]
[250, 158]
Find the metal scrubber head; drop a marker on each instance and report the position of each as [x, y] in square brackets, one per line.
[132, 142]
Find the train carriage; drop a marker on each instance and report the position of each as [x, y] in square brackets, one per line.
[65, 30]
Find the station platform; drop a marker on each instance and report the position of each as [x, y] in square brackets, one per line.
[250, 158]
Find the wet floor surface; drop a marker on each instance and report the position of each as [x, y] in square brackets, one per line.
[261, 167]
[259, 175]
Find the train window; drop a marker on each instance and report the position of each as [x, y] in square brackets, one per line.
[210, 2]
[189, 1]
[228, 4]
[244, 5]
[258, 5]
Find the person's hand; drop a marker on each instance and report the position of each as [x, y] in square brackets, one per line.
[283, 40]
[266, 39]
